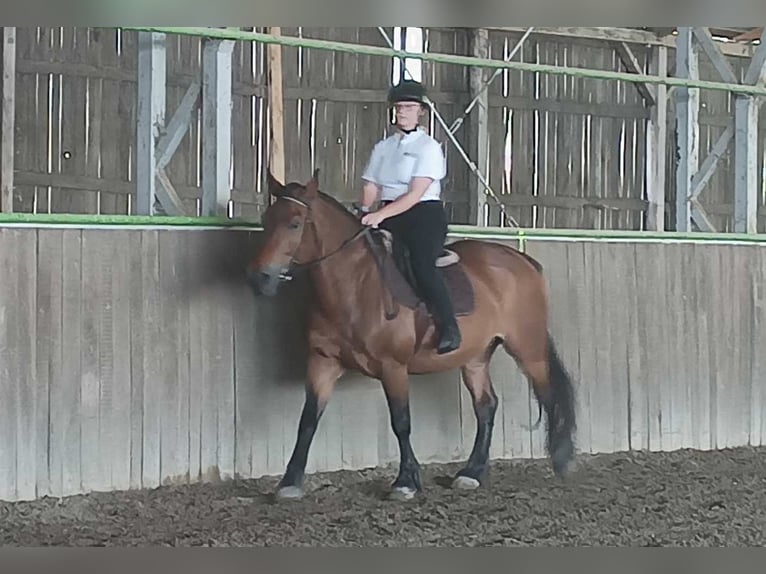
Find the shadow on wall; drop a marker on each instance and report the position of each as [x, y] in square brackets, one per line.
[268, 332]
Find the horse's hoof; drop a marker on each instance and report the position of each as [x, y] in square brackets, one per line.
[564, 468]
[465, 483]
[402, 493]
[290, 492]
[563, 459]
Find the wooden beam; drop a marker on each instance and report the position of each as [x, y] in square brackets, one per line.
[216, 126]
[656, 144]
[276, 107]
[687, 127]
[629, 60]
[755, 71]
[478, 139]
[708, 167]
[168, 196]
[750, 35]
[178, 125]
[701, 217]
[628, 35]
[719, 61]
[7, 118]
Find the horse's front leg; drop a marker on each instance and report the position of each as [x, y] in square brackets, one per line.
[396, 386]
[322, 374]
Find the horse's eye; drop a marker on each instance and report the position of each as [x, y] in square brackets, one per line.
[294, 224]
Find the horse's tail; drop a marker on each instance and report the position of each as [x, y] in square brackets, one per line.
[561, 412]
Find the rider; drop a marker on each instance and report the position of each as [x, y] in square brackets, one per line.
[405, 170]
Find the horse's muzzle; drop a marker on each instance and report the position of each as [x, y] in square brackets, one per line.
[266, 281]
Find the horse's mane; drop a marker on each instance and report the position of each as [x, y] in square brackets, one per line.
[339, 206]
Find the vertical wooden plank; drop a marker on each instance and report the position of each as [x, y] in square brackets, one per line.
[48, 354]
[113, 166]
[7, 117]
[614, 283]
[66, 455]
[72, 154]
[30, 109]
[192, 256]
[137, 373]
[174, 423]
[153, 360]
[250, 431]
[118, 312]
[24, 248]
[91, 298]
[758, 392]
[9, 407]
[636, 364]
[128, 113]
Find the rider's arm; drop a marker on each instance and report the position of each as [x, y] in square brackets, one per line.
[371, 188]
[370, 193]
[418, 186]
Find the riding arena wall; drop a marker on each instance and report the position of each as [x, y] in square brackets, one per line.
[136, 357]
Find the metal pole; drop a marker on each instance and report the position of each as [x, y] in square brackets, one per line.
[346, 47]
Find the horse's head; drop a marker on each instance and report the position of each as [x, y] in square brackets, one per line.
[284, 222]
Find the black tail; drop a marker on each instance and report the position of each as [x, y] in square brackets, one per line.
[560, 409]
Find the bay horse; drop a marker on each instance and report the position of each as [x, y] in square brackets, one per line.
[351, 327]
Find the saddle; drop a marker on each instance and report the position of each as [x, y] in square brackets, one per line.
[401, 282]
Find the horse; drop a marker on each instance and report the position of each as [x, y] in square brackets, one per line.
[363, 317]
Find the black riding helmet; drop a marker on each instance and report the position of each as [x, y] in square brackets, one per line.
[407, 91]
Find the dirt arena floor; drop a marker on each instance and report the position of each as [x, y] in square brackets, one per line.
[683, 498]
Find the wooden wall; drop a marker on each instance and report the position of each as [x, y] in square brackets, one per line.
[576, 146]
[131, 358]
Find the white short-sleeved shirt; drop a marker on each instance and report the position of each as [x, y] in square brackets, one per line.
[398, 158]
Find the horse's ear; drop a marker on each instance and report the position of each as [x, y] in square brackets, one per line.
[275, 188]
[312, 186]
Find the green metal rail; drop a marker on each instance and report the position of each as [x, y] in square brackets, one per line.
[231, 34]
[456, 231]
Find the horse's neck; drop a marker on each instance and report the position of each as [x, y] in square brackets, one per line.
[344, 277]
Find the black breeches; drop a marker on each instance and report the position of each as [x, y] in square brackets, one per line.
[423, 229]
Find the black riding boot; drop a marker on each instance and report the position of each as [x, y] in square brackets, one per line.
[449, 335]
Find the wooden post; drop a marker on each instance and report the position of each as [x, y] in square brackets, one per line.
[687, 125]
[151, 117]
[478, 127]
[746, 147]
[7, 118]
[657, 144]
[216, 126]
[276, 107]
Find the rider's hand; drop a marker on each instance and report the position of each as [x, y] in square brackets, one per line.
[373, 219]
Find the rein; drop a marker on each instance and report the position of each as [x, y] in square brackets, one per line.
[308, 264]
[365, 230]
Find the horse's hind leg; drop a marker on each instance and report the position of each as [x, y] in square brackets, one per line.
[536, 355]
[322, 374]
[477, 380]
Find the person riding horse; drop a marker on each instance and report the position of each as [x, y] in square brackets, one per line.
[404, 172]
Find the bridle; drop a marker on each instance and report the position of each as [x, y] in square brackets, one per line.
[308, 264]
[364, 231]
